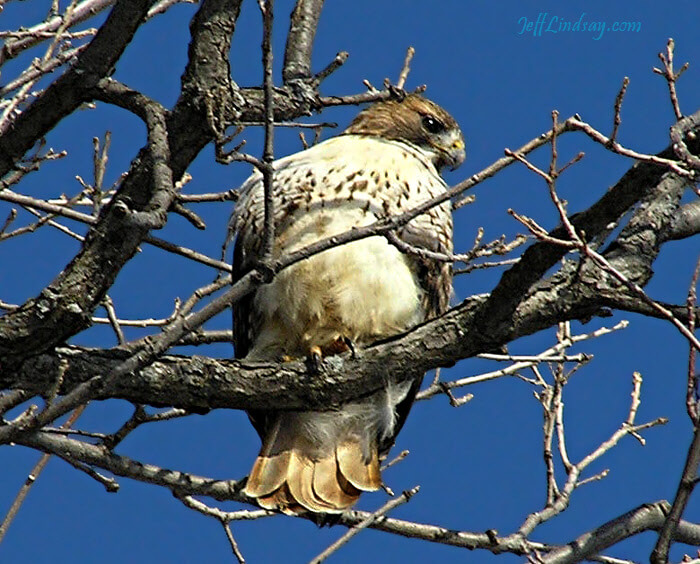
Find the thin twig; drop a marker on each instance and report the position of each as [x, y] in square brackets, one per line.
[670, 76]
[334, 65]
[224, 518]
[403, 75]
[549, 355]
[162, 6]
[617, 120]
[615, 147]
[232, 541]
[299, 124]
[62, 228]
[10, 218]
[62, 210]
[110, 484]
[372, 518]
[140, 417]
[574, 471]
[12, 109]
[32, 477]
[226, 196]
[113, 320]
[545, 398]
[499, 247]
[39, 69]
[578, 242]
[639, 291]
[399, 457]
[36, 34]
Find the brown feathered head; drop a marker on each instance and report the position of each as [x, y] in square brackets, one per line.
[417, 121]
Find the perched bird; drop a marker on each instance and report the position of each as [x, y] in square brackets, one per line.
[386, 162]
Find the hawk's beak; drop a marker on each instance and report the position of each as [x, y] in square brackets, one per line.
[456, 154]
[450, 148]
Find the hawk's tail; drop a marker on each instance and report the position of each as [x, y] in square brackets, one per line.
[313, 461]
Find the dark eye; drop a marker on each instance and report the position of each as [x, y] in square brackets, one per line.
[432, 124]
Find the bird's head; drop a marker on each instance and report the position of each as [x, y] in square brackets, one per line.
[418, 121]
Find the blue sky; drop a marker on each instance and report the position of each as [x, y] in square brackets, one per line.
[480, 466]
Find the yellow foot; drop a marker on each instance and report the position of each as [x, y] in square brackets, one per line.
[315, 358]
[340, 345]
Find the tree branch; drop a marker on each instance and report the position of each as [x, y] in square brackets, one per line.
[41, 32]
[69, 300]
[650, 516]
[646, 517]
[641, 179]
[70, 90]
[300, 40]
[686, 486]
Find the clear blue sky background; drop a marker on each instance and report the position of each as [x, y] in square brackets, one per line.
[480, 466]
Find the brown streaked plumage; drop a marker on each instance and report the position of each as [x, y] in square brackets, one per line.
[402, 120]
[386, 162]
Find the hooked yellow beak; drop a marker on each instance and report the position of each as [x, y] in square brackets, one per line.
[456, 153]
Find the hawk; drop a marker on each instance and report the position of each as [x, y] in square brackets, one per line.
[386, 162]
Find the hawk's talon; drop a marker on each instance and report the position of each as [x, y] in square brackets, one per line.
[351, 346]
[315, 359]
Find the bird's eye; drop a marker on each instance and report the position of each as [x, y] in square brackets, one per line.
[432, 124]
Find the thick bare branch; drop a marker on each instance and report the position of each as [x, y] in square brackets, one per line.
[650, 516]
[123, 466]
[266, 167]
[687, 221]
[115, 239]
[635, 185]
[158, 151]
[300, 40]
